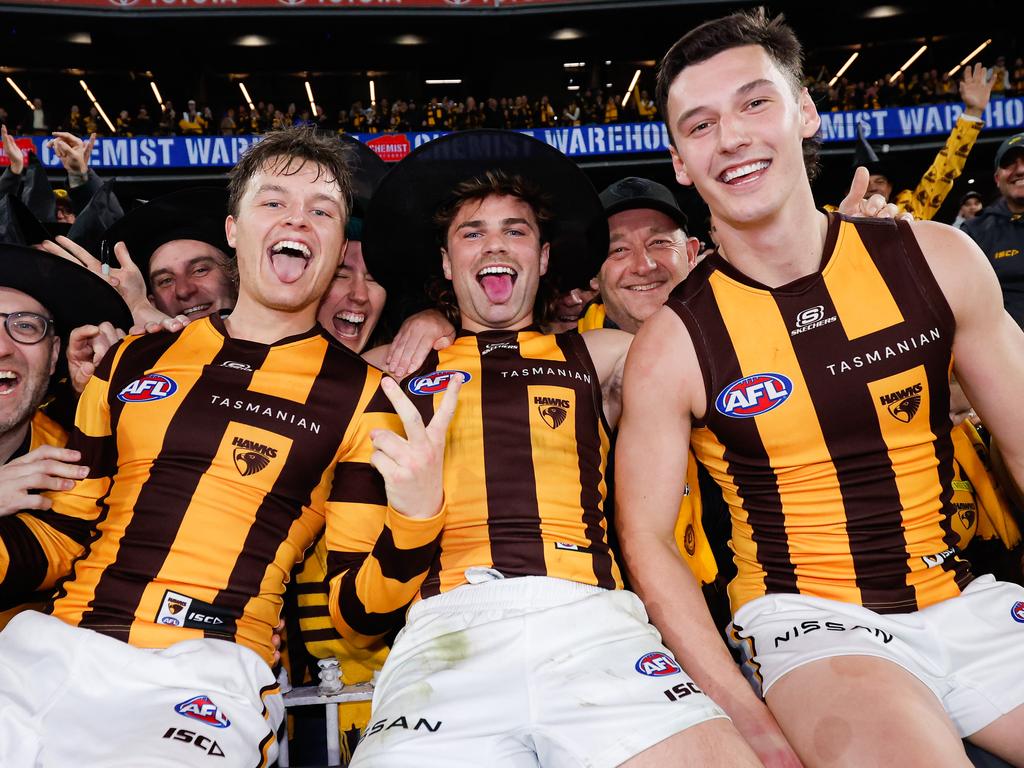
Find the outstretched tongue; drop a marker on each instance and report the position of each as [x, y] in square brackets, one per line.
[497, 287]
[287, 268]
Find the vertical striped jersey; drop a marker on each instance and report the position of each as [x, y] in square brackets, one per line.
[524, 479]
[827, 422]
[213, 463]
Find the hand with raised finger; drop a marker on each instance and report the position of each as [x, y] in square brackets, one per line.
[75, 153]
[418, 335]
[47, 468]
[13, 151]
[412, 466]
[130, 282]
[851, 204]
[86, 347]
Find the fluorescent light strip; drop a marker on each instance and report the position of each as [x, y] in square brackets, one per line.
[96, 104]
[156, 93]
[910, 61]
[573, 88]
[21, 93]
[443, 82]
[373, 93]
[574, 65]
[629, 91]
[842, 69]
[309, 93]
[245, 95]
[969, 56]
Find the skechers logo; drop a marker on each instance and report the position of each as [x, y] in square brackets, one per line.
[810, 319]
[252, 457]
[754, 395]
[938, 559]
[236, 365]
[552, 410]
[903, 404]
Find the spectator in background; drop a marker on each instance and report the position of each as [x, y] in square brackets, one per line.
[192, 123]
[123, 123]
[37, 119]
[228, 126]
[74, 122]
[1000, 77]
[545, 113]
[1017, 76]
[168, 123]
[999, 228]
[571, 113]
[143, 123]
[611, 109]
[646, 110]
[970, 204]
[208, 117]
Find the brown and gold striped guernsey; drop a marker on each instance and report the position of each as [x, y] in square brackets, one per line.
[213, 465]
[524, 479]
[827, 421]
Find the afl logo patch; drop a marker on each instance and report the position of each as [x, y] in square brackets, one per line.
[754, 395]
[146, 389]
[1017, 612]
[432, 383]
[657, 664]
[203, 709]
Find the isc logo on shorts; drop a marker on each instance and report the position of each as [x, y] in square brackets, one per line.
[146, 389]
[657, 664]
[432, 383]
[754, 395]
[201, 708]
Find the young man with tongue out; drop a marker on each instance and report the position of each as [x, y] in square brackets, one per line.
[807, 364]
[215, 456]
[521, 647]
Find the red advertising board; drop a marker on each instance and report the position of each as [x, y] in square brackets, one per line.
[341, 5]
[25, 145]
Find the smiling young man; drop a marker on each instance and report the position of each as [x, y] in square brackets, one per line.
[808, 362]
[215, 455]
[521, 647]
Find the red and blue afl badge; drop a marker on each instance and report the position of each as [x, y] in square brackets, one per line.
[1017, 612]
[433, 383]
[754, 395]
[203, 709]
[657, 664]
[146, 389]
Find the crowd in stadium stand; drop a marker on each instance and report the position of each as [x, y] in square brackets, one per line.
[586, 107]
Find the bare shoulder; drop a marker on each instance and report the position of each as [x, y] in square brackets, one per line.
[664, 352]
[377, 356]
[960, 267]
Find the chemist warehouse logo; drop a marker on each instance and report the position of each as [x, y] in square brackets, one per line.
[754, 395]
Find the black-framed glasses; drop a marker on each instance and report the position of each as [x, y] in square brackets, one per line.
[26, 327]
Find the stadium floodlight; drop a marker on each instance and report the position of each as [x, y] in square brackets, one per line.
[309, 93]
[452, 81]
[629, 91]
[907, 64]
[156, 93]
[245, 95]
[96, 104]
[573, 88]
[574, 65]
[842, 69]
[969, 56]
[373, 93]
[21, 93]
[568, 33]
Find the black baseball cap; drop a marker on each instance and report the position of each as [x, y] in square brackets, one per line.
[972, 194]
[633, 192]
[1014, 143]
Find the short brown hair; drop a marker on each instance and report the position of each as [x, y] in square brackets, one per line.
[477, 189]
[752, 27]
[286, 152]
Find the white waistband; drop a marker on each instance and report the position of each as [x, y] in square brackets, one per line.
[522, 592]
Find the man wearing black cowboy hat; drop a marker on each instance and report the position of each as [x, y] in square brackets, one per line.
[42, 297]
[521, 645]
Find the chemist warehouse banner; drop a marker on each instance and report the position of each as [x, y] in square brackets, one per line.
[144, 152]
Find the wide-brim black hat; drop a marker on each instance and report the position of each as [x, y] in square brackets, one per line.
[72, 294]
[18, 225]
[633, 192]
[401, 243]
[197, 213]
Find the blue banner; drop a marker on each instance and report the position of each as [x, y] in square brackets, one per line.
[146, 152]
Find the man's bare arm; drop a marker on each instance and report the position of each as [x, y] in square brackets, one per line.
[988, 349]
[662, 390]
[608, 348]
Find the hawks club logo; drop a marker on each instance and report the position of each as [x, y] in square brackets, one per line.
[252, 457]
[201, 708]
[754, 395]
[1017, 612]
[903, 404]
[657, 664]
[432, 383]
[552, 409]
[146, 389]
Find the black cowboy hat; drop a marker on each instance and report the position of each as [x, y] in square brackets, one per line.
[400, 244]
[18, 225]
[72, 294]
[197, 213]
[368, 170]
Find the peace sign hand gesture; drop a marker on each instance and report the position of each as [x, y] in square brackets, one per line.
[412, 466]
